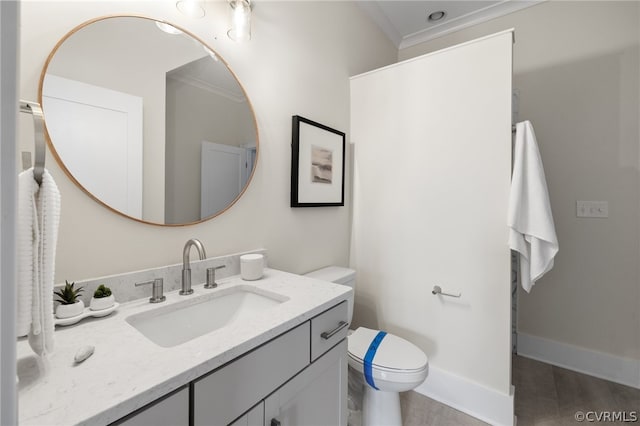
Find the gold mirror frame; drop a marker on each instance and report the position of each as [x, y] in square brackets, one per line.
[78, 184]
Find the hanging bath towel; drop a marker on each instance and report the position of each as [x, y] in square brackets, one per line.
[38, 220]
[532, 231]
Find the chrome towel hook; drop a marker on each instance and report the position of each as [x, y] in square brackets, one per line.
[34, 109]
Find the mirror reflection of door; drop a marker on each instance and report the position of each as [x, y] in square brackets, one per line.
[224, 172]
[99, 134]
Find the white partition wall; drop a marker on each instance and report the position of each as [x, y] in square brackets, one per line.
[432, 142]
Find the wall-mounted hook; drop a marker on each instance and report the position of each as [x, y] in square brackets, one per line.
[35, 110]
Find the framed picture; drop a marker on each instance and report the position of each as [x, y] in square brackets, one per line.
[317, 164]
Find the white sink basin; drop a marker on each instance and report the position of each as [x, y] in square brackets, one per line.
[180, 322]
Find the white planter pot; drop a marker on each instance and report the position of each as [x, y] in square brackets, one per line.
[68, 311]
[98, 304]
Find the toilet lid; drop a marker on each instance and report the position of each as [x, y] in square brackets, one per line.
[394, 353]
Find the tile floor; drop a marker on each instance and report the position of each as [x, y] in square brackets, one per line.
[545, 396]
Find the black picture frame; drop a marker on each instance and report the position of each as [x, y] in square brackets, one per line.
[317, 164]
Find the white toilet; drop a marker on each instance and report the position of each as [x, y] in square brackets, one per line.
[387, 364]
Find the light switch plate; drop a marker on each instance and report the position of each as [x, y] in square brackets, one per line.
[592, 208]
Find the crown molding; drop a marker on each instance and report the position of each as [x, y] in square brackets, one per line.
[203, 85]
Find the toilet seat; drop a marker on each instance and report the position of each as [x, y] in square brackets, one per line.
[397, 364]
[389, 370]
[392, 380]
[394, 354]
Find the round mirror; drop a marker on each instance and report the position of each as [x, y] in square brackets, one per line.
[148, 120]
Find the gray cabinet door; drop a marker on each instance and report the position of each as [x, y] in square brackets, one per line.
[254, 417]
[315, 397]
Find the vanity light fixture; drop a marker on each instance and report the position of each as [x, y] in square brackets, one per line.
[168, 28]
[240, 20]
[191, 8]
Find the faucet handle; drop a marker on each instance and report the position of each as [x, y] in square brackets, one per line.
[157, 289]
[211, 277]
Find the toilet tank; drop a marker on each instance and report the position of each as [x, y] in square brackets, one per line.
[338, 275]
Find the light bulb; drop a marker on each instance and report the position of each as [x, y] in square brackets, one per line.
[240, 20]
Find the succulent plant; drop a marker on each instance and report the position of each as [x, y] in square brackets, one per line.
[102, 291]
[68, 295]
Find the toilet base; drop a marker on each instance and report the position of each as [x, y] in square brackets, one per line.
[381, 408]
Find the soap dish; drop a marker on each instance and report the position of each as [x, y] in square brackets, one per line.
[86, 313]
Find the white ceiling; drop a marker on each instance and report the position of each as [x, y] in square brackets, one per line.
[406, 24]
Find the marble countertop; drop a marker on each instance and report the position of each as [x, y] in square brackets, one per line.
[128, 371]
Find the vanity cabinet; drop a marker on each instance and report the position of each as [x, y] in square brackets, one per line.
[228, 392]
[317, 395]
[296, 379]
[307, 368]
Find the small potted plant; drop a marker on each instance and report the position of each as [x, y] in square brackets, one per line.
[102, 299]
[70, 305]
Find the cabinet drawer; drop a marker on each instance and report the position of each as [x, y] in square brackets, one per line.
[225, 394]
[328, 328]
[170, 411]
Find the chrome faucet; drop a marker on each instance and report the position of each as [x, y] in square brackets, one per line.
[186, 266]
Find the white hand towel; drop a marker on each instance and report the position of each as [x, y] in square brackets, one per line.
[48, 213]
[38, 220]
[27, 249]
[532, 232]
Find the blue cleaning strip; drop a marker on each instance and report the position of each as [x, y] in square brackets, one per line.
[368, 358]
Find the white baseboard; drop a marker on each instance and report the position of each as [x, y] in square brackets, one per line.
[471, 398]
[617, 369]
